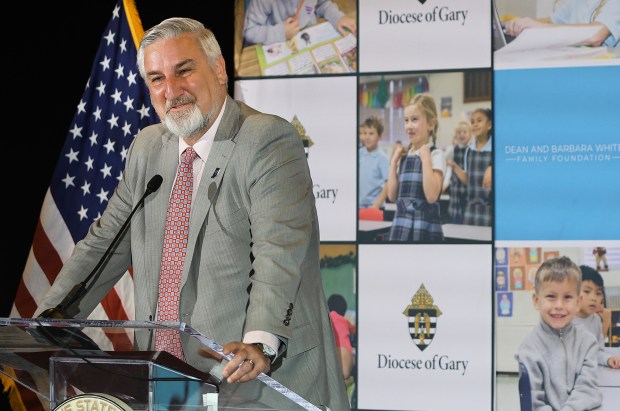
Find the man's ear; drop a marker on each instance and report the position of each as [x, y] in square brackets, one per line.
[220, 69]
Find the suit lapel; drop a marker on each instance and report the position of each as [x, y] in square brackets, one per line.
[213, 172]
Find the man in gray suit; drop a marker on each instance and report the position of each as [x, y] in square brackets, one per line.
[250, 277]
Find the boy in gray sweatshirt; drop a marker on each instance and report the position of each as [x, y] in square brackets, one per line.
[590, 314]
[561, 359]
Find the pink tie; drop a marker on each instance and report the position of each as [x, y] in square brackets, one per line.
[173, 255]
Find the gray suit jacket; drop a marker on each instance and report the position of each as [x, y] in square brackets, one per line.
[253, 253]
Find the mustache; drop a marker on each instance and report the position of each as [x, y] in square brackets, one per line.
[179, 100]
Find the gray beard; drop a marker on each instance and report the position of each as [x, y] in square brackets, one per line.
[189, 123]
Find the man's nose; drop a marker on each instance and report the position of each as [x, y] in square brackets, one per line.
[173, 88]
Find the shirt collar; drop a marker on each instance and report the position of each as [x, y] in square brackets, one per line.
[203, 146]
[487, 146]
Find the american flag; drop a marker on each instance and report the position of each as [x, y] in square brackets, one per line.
[114, 107]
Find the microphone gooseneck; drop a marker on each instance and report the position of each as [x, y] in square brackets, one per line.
[79, 290]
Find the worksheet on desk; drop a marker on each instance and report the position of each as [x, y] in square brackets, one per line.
[549, 37]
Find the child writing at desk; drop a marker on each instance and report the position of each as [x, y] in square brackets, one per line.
[477, 173]
[604, 14]
[275, 21]
[561, 358]
[415, 182]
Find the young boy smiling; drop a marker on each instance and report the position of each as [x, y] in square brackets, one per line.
[561, 359]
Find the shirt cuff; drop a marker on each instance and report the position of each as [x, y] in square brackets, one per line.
[264, 337]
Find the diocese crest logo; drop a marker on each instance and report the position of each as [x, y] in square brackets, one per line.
[422, 317]
[302, 132]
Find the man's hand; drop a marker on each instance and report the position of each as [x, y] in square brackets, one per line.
[247, 363]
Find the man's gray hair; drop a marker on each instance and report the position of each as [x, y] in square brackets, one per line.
[174, 27]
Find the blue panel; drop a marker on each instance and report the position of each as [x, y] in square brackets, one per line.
[557, 153]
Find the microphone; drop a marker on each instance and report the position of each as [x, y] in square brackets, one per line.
[79, 290]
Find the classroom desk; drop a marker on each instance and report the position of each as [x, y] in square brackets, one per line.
[247, 64]
[370, 230]
[561, 57]
[609, 384]
[457, 232]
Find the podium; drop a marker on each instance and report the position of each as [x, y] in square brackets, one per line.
[60, 362]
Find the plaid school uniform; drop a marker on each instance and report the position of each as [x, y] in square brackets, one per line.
[415, 219]
[478, 210]
[457, 190]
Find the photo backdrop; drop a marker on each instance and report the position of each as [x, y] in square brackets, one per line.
[542, 97]
[452, 314]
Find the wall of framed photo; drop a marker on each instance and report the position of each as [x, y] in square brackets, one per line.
[449, 313]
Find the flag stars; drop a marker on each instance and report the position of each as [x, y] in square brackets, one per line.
[68, 180]
[144, 112]
[124, 153]
[131, 78]
[128, 104]
[123, 46]
[109, 37]
[106, 170]
[120, 71]
[81, 107]
[82, 213]
[103, 196]
[105, 64]
[76, 131]
[89, 163]
[117, 96]
[113, 121]
[93, 138]
[72, 156]
[97, 114]
[115, 83]
[85, 188]
[101, 89]
[109, 146]
[126, 128]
